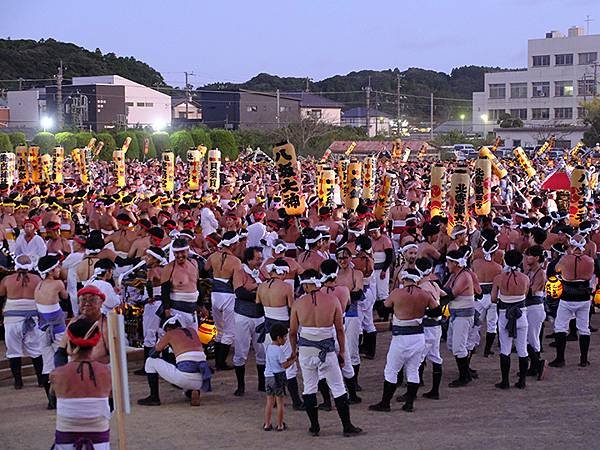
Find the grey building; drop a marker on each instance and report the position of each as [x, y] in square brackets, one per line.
[242, 109]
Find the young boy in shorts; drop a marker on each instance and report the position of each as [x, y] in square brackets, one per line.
[275, 378]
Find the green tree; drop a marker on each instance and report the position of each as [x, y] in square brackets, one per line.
[109, 145]
[507, 121]
[45, 141]
[134, 151]
[592, 118]
[66, 140]
[161, 141]
[141, 137]
[224, 141]
[5, 144]
[201, 136]
[254, 139]
[18, 138]
[83, 138]
[180, 142]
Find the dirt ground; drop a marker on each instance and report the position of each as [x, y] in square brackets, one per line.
[557, 412]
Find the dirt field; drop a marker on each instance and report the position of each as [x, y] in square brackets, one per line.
[558, 412]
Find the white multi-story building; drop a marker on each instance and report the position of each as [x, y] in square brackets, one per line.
[562, 72]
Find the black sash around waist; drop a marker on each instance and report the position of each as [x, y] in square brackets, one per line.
[503, 305]
[486, 288]
[534, 300]
[248, 308]
[186, 307]
[575, 291]
[220, 287]
[431, 322]
[406, 330]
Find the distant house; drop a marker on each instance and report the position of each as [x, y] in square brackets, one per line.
[317, 107]
[465, 127]
[375, 147]
[185, 111]
[243, 109]
[379, 122]
[4, 116]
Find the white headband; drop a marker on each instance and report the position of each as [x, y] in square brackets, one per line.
[457, 233]
[279, 270]
[576, 244]
[330, 276]
[522, 215]
[27, 267]
[171, 320]
[508, 268]
[407, 247]
[409, 276]
[313, 240]
[322, 228]
[356, 232]
[43, 273]
[160, 259]
[180, 249]
[280, 248]
[315, 281]
[228, 242]
[92, 251]
[462, 262]
[424, 273]
[488, 254]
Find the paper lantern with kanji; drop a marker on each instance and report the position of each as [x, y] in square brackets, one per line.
[497, 167]
[326, 187]
[194, 166]
[168, 171]
[438, 190]
[579, 195]
[482, 186]
[353, 185]
[214, 170]
[23, 163]
[34, 163]
[286, 164]
[5, 169]
[524, 162]
[58, 160]
[119, 167]
[458, 203]
[46, 168]
[369, 177]
[384, 197]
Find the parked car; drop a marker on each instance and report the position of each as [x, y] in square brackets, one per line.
[465, 148]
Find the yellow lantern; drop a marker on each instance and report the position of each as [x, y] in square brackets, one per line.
[58, 159]
[397, 148]
[482, 186]
[46, 168]
[325, 156]
[286, 163]
[202, 150]
[524, 162]
[4, 169]
[326, 187]
[579, 194]
[553, 287]
[194, 158]
[497, 167]
[438, 190]
[369, 177]
[34, 163]
[168, 171]
[422, 151]
[406, 154]
[575, 150]
[11, 162]
[548, 145]
[350, 148]
[119, 167]
[342, 178]
[214, 170]
[597, 297]
[23, 163]
[207, 332]
[384, 197]
[458, 204]
[353, 185]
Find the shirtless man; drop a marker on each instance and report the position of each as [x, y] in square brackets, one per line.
[409, 255]
[179, 286]
[408, 340]
[509, 291]
[311, 258]
[276, 296]
[85, 269]
[576, 270]
[56, 244]
[397, 215]
[363, 261]
[82, 384]
[325, 219]
[107, 221]
[427, 248]
[144, 241]
[383, 255]
[315, 317]
[486, 270]
[21, 334]
[124, 236]
[460, 290]
[191, 372]
[8, 223]
[459, 237]
[248, 316]
[223, 263]
[48, 293]
[536, 312]
[279, 248]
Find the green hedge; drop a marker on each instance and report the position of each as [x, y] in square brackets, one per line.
[225, 141]
[45, 141]
[201, 136]
[18, 138]
[134, 151]
[66, 140]
[5, 144]
[83, 138]
[109, 145]
[180, 142]
[161, 141]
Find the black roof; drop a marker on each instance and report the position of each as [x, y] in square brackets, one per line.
[310, 100]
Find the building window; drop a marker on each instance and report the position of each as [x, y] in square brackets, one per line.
[564, 60]
[518, 90]
[315, 114]
[563, 113]
[128, 103]
[284, 109]
[494, 114]
[516, 142]
[251, 108]
[182, 114]
[540, 113]
[588, 58]
[497, 90]
[542, 60]
[563, 88]
[581, 113]
[141, 104]
[149, 105]
[519, 113]
[586, 87]
[541, 89]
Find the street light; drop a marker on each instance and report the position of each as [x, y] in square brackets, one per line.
[462, 123]
[46, 122]
[484, 117]
[158, 125]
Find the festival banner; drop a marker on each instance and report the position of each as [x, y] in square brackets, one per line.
[34, 164]
[4, 169]
[46, 168]
[23, 163]
[579, 195]
[482, 186]
[458, 204]
[214, 170]
[353, 182]
[193, 158]
[497, 167]
[326, 187]
[546, 147]
[119, 167]
[369, 177]
[58, 160]
[286, 163]
[384, 197]
[342, 178]
[438, 190]
[350, 148]
[168, 171]
[397, 148]
[524, 162]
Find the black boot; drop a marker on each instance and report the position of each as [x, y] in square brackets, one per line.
[38, 366]
[463, 373]
[489, 341]
[15, 368]
[343, 409]
[472, 372]
[421, 369]
[351, 385]
[542, 338]
[221, 364]
[561, 344]
[310, 402]
[45, 378]
[572, 336]
[541, 367]
[534, 362]
[356, 370]
[153, 399]
[523, 363]
[324, 390]
[434, 393]
[504, 370]
[240, 374]
[292, 385]
[388, 393]
[142, 370]
[260, 369]
[584, 346]
[370, 345]
[411, 394]
[400, 378]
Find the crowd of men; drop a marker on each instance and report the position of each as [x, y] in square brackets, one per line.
[75, 252]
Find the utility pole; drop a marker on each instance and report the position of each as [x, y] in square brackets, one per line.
[431, 117]
[587, 21]
[188, 95]
[59, 105]
[368, 104]
[20, 83]
[277, 113]
[398, 102]
[307, 87]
